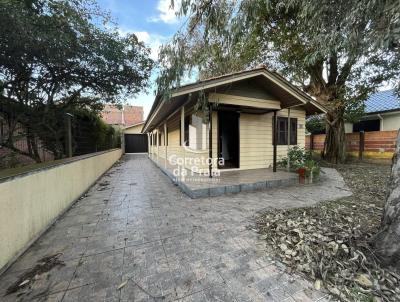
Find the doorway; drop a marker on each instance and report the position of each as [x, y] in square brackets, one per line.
[136, 143]
[228, 139]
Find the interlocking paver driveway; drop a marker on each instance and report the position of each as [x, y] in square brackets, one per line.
[137, 231]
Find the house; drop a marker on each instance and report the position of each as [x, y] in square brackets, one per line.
[236, 131]
[382, 113]
[122, 117]
[134, 129]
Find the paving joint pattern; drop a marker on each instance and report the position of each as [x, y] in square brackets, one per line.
[135, 228]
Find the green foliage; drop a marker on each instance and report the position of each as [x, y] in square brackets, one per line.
[312, 168]
[58, 56]
[297, 157]
[339, 52]
[52, 51]
[90, 133]
[315, 124]
[300, 158]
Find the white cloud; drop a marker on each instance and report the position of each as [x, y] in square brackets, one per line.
[143, 36]
[154, 41]
[151, 40]
[167, 14]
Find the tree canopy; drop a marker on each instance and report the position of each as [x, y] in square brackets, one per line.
[54, 51]
[60, 55]
[338, 52]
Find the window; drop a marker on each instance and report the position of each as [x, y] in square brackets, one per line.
[282, 131]
[368, 125]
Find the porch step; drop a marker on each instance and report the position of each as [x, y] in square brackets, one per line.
[218, 190]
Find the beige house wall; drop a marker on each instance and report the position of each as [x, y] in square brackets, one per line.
[256, 149]
[134, 129]
[391, 121]
[255, 130]
[163, 153]
[29, 203]
[244, 101]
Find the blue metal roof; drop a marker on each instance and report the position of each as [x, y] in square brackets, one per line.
[382, 101]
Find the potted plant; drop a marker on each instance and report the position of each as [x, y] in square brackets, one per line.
[302, 175]
[312, 170]
[300, 161]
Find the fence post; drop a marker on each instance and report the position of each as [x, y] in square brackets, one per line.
[361, 145]
[69, 135]
[311, 142]
[1, 132]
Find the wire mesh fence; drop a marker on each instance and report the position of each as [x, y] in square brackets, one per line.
[30, 138]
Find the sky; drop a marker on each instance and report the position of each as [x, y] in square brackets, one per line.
[154, 22]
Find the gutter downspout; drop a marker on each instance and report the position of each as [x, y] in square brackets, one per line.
[381, 123]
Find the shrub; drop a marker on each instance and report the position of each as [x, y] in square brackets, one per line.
[297, 157]
[300, 158]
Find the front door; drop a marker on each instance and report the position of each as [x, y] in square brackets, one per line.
[228, 139]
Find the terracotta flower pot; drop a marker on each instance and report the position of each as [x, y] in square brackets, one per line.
[302, 175]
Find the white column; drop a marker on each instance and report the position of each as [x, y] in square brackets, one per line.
[148, 144]
[288, 162]
[165, 143]
[182, 125]
[158, 143]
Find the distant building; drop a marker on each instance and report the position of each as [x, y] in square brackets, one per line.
[382, 113]
[123, 117]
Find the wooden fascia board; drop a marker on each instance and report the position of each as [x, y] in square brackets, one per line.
[259, 103]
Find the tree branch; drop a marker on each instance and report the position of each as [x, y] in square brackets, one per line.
[333, 69]
[345, 72]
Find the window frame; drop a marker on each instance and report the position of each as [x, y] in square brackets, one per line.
[293, 131]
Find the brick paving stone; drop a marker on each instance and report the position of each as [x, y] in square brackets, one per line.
[135, 227]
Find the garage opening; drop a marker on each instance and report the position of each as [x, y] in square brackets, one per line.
[136, 143]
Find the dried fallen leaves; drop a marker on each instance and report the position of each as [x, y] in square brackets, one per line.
[28, 277]
[329, 243]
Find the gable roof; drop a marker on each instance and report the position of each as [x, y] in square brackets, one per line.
[134, 125]
[275, 80]
[382, 101]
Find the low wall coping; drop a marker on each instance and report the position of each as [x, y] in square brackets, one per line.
[12, 173]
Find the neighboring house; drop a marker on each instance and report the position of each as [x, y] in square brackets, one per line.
[382, 113]
[239, 127]
[122, 117]
[134, 129]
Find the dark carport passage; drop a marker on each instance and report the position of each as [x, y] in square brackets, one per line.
[136, 143]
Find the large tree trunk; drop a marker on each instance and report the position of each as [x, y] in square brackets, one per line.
[387, 241]
[335, 140]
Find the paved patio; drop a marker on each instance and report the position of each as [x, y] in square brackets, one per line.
[137, 231]
[197, 185]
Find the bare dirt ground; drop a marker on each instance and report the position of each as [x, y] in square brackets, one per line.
[329, 243]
